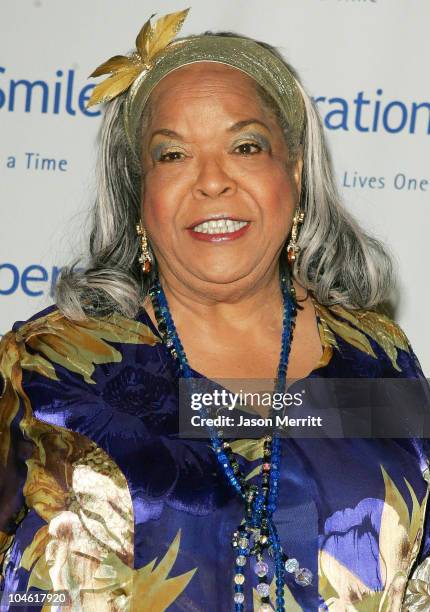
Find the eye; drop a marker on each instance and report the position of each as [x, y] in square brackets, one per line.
[171, 156]
[248, 148]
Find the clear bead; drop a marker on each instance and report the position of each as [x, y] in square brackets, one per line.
[263, 589]
[120, 602]
[291, 565]
[243, 542]
[261, 568]
[265, 608]
[241, 560]
[239, 598]
[239, 579]
[303, 577]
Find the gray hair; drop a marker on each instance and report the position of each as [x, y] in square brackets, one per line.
[338, 261]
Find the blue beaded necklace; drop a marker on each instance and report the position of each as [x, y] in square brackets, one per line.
[257, 535]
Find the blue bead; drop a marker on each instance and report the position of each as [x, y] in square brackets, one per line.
[161, 308]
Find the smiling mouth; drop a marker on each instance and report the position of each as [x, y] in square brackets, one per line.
[220, 226]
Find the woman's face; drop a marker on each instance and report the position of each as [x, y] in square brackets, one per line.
[219, 190]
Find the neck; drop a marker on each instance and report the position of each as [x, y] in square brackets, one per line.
[238, 304]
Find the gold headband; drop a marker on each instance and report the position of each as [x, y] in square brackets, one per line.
[157, 55]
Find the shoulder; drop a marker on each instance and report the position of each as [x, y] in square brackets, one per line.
[372, 333]
[49, 342]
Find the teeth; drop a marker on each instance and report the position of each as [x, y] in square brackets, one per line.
[220, 226]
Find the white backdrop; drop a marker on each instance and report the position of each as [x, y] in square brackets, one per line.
[365, 60]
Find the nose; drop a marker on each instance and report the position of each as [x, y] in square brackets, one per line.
[213, 181]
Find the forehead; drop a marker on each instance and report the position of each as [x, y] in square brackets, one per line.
[203, 80]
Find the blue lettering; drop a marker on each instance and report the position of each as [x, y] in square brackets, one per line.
[69, 94]
[15, 279]
[399, 181]
[404, 118]
[84, 96]
[57, 93]
[27, 277]
[11, 279]
[343, 112]
[415, 108]
[360, 102]
[319, 99]
[61, 96]
[28, 94]
[29, 156]
[376, 113]
[2, 94]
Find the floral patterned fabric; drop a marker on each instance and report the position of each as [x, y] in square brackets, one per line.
[101, 497]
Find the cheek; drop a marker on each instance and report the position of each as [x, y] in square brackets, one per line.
[160, 198]
[277, 195]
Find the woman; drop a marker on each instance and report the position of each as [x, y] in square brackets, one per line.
[212, 148]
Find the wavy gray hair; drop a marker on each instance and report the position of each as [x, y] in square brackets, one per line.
[337, 261]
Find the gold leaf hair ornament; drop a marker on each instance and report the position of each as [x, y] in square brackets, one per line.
[157, 54]
[125, 69]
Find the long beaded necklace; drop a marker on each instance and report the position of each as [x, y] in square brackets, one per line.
[257, 535]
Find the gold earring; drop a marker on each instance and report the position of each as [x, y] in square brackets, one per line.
[292, 247]
[145, 258]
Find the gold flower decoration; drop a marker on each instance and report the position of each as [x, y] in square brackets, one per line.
[151, 40]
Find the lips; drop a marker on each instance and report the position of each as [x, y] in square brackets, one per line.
[219, 230]
[219, 226]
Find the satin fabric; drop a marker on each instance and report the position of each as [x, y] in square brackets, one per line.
[100, 496]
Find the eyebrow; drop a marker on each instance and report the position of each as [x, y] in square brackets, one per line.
[241, 124]
[234, 128]
[165, 132]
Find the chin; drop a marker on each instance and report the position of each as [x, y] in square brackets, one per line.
[223, 275]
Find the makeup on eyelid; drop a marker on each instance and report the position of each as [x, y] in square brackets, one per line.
[163, 148]
[253, 138]
[259, 139]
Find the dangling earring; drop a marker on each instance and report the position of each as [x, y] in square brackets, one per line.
[145, 258]
[292, 247]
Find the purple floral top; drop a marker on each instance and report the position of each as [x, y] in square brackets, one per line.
[100, 497]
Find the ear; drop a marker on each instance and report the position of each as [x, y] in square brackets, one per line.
[296, 171]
